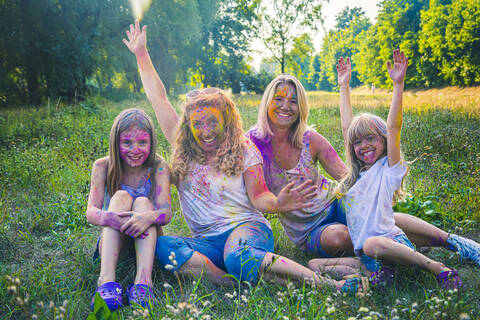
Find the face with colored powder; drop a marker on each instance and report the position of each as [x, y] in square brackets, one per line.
[283, 109]
[369, 148]
[206, 124]
[134, 146]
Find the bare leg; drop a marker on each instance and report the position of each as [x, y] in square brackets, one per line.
[335, 240]
[383, 248]
[338, 267]
[199, 265]
[145, 248]
[112, 240]
[420, 232]
[280, 270]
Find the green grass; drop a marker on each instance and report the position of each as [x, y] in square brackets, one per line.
[46, 243]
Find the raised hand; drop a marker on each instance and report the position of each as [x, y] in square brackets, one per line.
[400, 64]
[344, 71]
[137, 39]
[294, 198]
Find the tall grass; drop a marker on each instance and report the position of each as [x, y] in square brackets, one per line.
[46, 243]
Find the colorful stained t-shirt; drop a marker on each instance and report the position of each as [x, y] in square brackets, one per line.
[299, 223]
[213, 203]
[368, 204]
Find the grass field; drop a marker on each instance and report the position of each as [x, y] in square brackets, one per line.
[46, 243]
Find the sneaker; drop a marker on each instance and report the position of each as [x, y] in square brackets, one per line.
[466, 248]
[449, 279]
[141, 294]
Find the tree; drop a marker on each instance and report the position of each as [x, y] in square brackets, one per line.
[284, 20]
[449, 43]
[342, 41]
[298, 59]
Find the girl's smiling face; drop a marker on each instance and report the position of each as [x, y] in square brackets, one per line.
[369, 148]
[134, 145]
[283, 109]
[206, 124]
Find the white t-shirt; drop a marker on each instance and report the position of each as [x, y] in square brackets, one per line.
[368, 203]
[213, 203]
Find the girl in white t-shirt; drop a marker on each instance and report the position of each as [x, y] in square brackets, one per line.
[373, 183]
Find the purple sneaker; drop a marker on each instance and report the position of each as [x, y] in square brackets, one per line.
[449, 279]
[140, 294]
[111, 292]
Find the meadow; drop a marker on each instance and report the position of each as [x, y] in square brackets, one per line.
[46, 244]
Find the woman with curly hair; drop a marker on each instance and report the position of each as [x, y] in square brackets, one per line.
[219, 176]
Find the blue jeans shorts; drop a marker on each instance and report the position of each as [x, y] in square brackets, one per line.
[373, 265]
[239, 251]
[335, 215]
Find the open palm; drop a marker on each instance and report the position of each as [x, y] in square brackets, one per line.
[344, 71]
[400, 63]
[137, 38]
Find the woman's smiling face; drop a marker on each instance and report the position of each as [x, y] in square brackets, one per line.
[283, 109]
[206, 124]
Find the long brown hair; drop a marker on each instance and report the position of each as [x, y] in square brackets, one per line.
[229, 155]
[362, 125]
[124, 121]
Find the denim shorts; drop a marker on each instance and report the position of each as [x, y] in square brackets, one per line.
[239, 251]
[335, 215]
[373, 265]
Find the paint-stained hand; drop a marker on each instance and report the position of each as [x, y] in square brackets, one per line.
[113, 220]
[137, 223]
[293, 197]
[400, 64]
[137, 38]
[344, 72]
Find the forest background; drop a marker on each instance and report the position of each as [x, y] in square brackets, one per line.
[72, 48]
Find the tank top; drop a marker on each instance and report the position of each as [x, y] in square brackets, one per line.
[299, 223]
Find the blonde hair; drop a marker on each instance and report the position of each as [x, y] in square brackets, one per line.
[362, 125]
[125, 120]
[295, 136]
[229, 155]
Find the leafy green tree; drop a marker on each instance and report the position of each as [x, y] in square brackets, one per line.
[227, 28]
[298, 59]
[342, 41]
[398, 26]
[449, 43]
[282, 20]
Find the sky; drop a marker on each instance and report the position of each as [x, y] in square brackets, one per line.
[329, 11]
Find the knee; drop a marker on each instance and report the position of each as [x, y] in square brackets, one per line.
[123, 198]
[141, 204]
[375, 246]
[336, 237]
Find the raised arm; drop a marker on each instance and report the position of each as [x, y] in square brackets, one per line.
[95, 215]
[166, 115]
[290, 198]
[344, 71]
[161, 215]
[395, 116]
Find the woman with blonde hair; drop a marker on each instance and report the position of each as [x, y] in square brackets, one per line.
[292, 152]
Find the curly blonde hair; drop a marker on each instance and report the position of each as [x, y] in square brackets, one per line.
[362, 125]
[229, 156]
